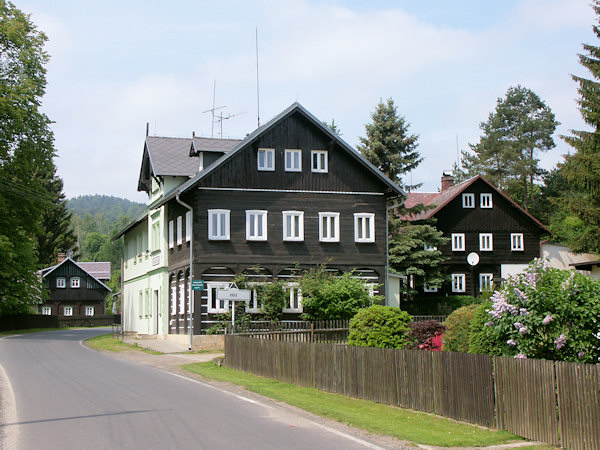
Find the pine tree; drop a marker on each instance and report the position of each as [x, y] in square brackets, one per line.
[520, 127]
[388, 144]
[582, 168]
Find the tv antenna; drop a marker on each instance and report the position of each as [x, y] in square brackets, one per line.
[212, 112]
[257, 91]
[221, 118]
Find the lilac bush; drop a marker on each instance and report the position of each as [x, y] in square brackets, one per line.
[547, 313]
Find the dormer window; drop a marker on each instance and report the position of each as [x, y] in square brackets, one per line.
[266, 159]
[318, 161]
[468, 200]
[485, 200]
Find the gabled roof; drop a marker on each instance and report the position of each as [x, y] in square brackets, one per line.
[295, 107]
[48, 270]
[99, 270]
[438, 200]
[131, 225]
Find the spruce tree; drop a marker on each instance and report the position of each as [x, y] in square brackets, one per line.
[582, 168]
[389, 146]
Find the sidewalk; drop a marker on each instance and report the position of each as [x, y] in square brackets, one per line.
[164, 346]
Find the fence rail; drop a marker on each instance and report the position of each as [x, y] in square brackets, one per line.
[554, 402]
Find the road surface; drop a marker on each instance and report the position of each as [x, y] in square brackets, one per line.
[57, 393]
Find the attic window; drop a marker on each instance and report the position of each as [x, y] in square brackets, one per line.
[485, 201]
[266, 159]
[319, 161]
[468, 200]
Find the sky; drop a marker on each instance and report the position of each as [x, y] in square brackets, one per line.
[117, 65]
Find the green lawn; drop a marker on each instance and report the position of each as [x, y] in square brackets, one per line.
[108, 343]
[417, 427]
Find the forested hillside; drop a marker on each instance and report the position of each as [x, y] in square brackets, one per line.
[111, 208]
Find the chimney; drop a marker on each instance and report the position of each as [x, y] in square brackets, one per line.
[147, 128]
[447, 180]
[61, 257]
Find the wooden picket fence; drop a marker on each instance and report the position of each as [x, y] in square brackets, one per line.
[553, 402]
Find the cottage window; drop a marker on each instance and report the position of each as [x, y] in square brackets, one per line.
[364, 227]
[256, 225]
[429, 288]
[68, 311]
[46, 310]
[293, 225]
[468, 200]
[179, 230]
[329, 227]
[266, 159]
[171, 234]
[516, 242]
[188, 226]
[156, 236]
[173, 296]
[485, 282]
[294, 302]
[214, 305]
[181, 296]
[486, 242]
[61, 283]
[75, 282]
[89, 310]
[218, 224]
[293, 160]
[458, 282]
[254, 305]
[429, 248]
[485, 200]
[458, 242]
[319, 161]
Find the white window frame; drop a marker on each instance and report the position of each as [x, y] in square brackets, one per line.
[296, 231]
[61, 283]
[188, 226]
[179, 230]
[486, 242]
[293, 291]
[254, 305]
[171, 234]
[459, 282]
[290, 160]
[429, 248]
[324, 232]
[468, 200]
[182, 296]
[218, 309]
[428, 288]
[256, 219]
[487, 279]
[363, 223]
[222, 223]
[46, 310]
[267, 154]
[485, 200]
[67, 311]
[89, 310]
[173, 299]
[75, 283]
[156, 236]
[321, 165]
[517, 242]
[458, 242]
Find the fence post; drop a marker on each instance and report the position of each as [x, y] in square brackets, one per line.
[312, 332]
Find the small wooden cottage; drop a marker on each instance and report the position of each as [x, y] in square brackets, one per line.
[76, 289]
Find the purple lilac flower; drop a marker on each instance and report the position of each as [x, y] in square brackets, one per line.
[560, 341]
[521, 356]
[523, 330]
[521, 294]
[547, 319]
[501, 306]
[511, 342]
[518, 325]
[531, 279]
[581, 354]
[489, 324]
[523, 312]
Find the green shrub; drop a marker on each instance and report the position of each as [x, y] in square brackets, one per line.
[456, 337]
[481, 340]
[426, 305]
[380, 326]
[327, 297]
[273, 298]
[423, 332]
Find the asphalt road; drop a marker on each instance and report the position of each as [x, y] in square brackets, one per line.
[57, 393]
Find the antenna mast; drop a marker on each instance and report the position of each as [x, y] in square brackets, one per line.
[257, 90]
[212, 110]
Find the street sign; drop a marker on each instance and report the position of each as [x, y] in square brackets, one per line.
[197, 285]
[233, 294]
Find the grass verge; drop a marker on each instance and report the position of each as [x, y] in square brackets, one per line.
[107, 343]
[417, 427]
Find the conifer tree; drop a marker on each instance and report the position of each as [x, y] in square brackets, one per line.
[388, 144]
[582, 168]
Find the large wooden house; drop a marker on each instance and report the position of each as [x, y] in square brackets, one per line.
[292, 195]
[76, 288]
[479, 220]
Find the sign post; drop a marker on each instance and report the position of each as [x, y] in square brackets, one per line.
[473, 260]
[233, 294]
